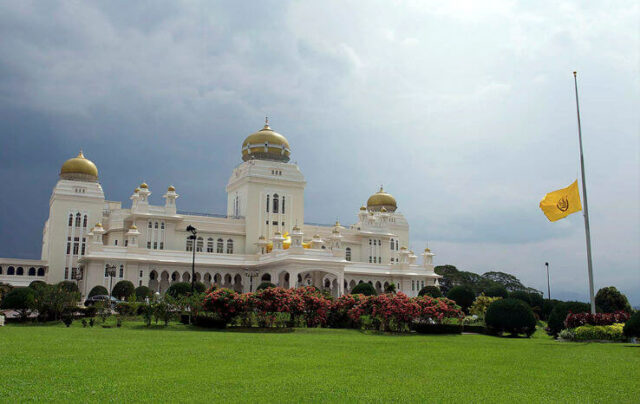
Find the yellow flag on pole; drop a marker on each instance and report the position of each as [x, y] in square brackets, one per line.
[561, 203]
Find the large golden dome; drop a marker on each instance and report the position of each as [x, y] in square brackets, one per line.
[266, 144]
[380, 200]
[79, 168]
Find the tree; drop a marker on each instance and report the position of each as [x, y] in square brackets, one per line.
[432, 291]
[21, 300]
[98, 290]
[179, 289]
[364, 288]
[4, 289]
[69, 286]
[52, 301]
[521, 295]
[559, 314]
[512, 316]
[609, 300]
[390, 288]
[497, 291]
[463, 296]
[142, 292]
[122, 290]
[510, 282]
[35, 285]
[265, 285]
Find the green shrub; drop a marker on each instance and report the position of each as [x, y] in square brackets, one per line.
[122, 290]
[179, 289]
[35, 285]
[632, 327]
[200, 287]
[127, 309]
[21, 300]
[497, 291]
[512, 316]
[547, 306]
[142, 292]
[432, 291]
[67, 319]
[536, 301]
[265, 285]
[364, 288]
[97, 291]
[612, 332]
[481, 304]
[390, 288]
[559, 314]
[69, 286]
[521, 295]
[610, 300]
[463, 297]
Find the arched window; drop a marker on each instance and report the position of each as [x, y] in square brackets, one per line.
[220, 246]
[275, 203]
[156, 225]
[189, 244]
[152, 276]
[40, 271]
[266, 278]
[209, 245]
[396, 244]
[283, 204]
[32, 271]
[267, 203]
[0, 270]
[121, 274]
[70, 220]
[161, 225]
[78, 219]
[11, 271]
[199, 245]
[229, 246]
[20, 271]
[392, 244]
[348, 254]
[84, 221]
[150, 224]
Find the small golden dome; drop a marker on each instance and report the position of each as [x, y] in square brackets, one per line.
[381, 200]
[296, 228]
[383, 210]
[363, 207]
[171, 188]
[261, 238]
[266, 144]
[427, 250]
[79, 168]
[278, 233]
[316, 236]
[135, 191]
[403, 248]
[144, 185]
[133, 227]
[98, 224]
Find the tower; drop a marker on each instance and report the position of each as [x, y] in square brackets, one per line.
[265, 189]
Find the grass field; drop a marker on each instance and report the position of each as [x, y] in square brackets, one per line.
[130, 364]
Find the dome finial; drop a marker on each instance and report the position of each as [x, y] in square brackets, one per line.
[381, 188]
[266, 123]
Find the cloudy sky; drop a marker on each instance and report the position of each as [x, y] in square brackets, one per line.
[464, 110]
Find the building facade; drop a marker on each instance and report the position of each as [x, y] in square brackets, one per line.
[261, 238]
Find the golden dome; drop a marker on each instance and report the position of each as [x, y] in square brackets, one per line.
[133, 227]
[79, 168]
[278, 233]
[144, 185]
[171, 188]
[266, 144]
[383, 209]
[135, 191]
[295, 227]
[427, 250]
[381, 200]
[363, 207]
[98, 224]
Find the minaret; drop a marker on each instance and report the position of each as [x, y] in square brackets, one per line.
[296, 239]
[427, 258]
[170, 200]
[132, 236]
[143, 198]
[135, 197]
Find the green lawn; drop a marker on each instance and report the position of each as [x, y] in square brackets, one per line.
[54, 363]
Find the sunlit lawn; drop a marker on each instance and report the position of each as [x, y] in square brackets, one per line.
[180, 364]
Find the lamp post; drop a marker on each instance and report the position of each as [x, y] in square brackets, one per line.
[250, 275]
[111, 271]
[193, 236]
[548, 286]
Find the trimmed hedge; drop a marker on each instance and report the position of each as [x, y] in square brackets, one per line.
[560, 312]
[98, 290]
[142, 292]
[432, 291]
[35, 285]
[123, 289]
[364, 288]
[463, 297]
[632, 327]
[612, 332]
[512, 316]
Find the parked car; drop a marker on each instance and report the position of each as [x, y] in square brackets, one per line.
[101, 298]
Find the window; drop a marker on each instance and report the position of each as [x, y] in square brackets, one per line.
[78, 219]
[150, 225]
[380, 260]
[115, 242]
[40, 271]
[66, 273]
[84, 243]
[76, 245]
[141, 273]
[20, 271]
[283, 204]
[161, 245]
[156, 225]
[220, 246]
[348, 254]
[149, 244]
[199, 244]
[370, 259]
[11, 271]
[155, 245]
[229, 246]
[275, 203]
[74, 272]
[375, 242]
[267, 203]
[413, 285]
[392, 244]
[121, 274]
[209, 245]
[106, 271]
[396, 245]
[126, 243]
[70, 220]
[84, 222]
[189, 244]
[161, 225]
[68, 245]
[370, 242]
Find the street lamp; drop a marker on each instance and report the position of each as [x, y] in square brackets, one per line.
[193, 235]
[250, 275]
[110, 269]
[548, 286]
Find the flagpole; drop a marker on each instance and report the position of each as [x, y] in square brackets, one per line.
[586, 208]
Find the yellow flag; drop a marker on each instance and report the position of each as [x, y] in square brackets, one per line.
[561, 203]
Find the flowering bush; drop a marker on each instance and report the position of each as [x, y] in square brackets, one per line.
[611, 332]
[389, 312]
[574, 320]
[435, 310]
[339, 315]
[276, 300]
[226, 303]
[316, 306]
[480, 305]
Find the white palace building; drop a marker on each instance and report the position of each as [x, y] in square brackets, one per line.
[262, 236]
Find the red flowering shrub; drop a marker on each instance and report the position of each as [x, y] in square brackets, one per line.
[316, 305]
[339, 315]
[276, 300]
[389, 312]
[436, 309]
[574, 320]
[226, 303]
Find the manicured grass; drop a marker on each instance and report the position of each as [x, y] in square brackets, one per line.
[180, 364]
